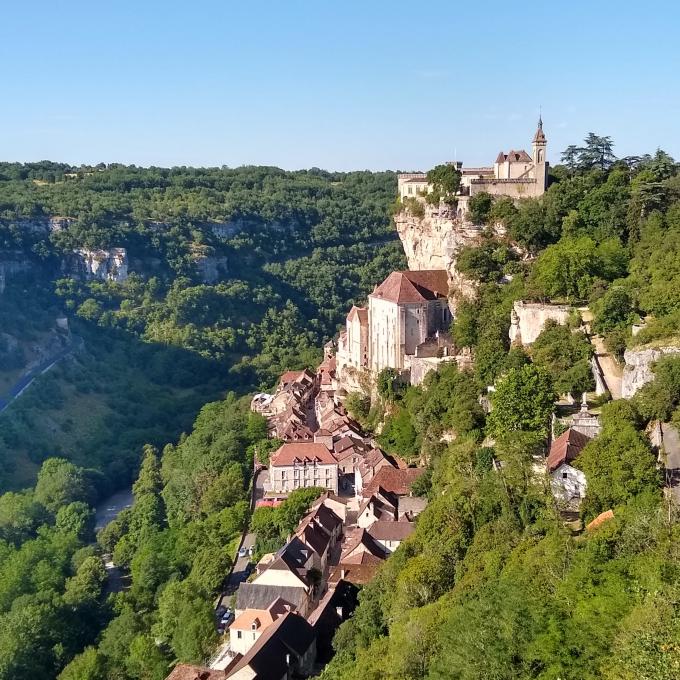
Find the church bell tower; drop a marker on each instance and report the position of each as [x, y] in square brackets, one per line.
[538, 146]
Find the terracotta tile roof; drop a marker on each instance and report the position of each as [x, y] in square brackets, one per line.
[391, 531]
[290, 376]
[393, 480]
[259, 596]
[302, 452]
[540, 135]
[413, 286]
[359, 574]
[514, 157]
[185, 671]
[566, 448]
[360, 313]
[600, 519]
[262, 618]
[357, 543]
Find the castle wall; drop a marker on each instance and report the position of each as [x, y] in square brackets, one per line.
[357, 342]
[529, 318]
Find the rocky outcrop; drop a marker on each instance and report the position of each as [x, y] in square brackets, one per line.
[434, 241]
[528, 320]
[105, 265]
[12, 265]
[210, 268]
[41, 225]
[638, 369]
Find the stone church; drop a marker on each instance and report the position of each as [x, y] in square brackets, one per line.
[407, 318]
[514, 174]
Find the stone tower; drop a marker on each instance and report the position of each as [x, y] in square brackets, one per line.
[538, 148]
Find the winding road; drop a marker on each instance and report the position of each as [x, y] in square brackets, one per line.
[27, 378]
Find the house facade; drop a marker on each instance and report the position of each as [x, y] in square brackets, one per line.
[299, 465]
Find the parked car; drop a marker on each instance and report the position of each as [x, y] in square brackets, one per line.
[226, 618]
[251, 551]
[243, 551]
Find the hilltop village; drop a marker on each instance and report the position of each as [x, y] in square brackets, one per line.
[283, 616]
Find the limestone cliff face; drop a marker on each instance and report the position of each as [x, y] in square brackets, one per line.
[434, 241]
[638, 369]
[105, 265]
[528, 320]
[210, 269]
[12, 264]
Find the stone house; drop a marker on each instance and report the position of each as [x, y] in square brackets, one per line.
[568, 483]
[297, 465]
[286, 650]
[389, 535]
[248, 626]
[380, 506]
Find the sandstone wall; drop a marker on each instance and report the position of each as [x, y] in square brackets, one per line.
[638, 369]
[528, 320]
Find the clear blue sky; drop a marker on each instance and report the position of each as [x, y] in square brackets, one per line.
[333, 84]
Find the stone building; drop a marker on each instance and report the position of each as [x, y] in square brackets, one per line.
[296, 465]
[515, 174]
[405, 314]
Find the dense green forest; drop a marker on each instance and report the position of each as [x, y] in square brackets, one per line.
[493, 584]
[147, 354]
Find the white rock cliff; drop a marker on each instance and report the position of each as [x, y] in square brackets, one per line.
[638, 369]
[434, 241]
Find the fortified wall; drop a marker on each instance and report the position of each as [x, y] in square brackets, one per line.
[529, 318]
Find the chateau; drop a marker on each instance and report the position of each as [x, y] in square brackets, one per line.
[514, 174]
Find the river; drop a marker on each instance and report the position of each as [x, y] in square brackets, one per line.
[108, 509]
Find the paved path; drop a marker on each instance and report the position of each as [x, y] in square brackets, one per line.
[612, 371]
[240, 572]
[108, 510]
[27, 378]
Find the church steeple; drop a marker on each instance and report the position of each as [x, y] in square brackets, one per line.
[539, 137]
[538, 146]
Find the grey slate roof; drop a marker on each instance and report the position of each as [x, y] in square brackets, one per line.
[260, 596]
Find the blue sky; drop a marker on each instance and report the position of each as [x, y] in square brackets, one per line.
[339, 85]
